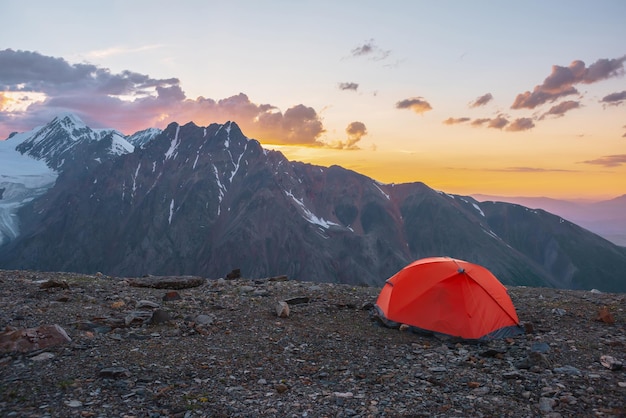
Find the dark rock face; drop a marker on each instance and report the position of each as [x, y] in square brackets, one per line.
[204, 200]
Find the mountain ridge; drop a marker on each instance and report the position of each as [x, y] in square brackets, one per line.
[204, 200]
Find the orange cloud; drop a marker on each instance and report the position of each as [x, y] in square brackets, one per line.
[609, 160]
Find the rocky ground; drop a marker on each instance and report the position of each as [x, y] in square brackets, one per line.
[189, 347]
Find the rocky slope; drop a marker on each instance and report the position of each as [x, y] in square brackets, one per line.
[202, 200]
[190, 347]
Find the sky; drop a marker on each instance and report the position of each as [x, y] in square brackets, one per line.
[502, 98]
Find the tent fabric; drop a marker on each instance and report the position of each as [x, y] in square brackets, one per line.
[447, 296]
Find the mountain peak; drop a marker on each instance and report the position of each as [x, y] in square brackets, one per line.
[69, 119]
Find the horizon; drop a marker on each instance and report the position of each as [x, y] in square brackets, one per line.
[468, 102]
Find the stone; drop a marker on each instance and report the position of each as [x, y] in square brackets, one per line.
[204, 319]
[281, 387]
[546, 404]
[298, 300]
[611, 363]
[42, 357]
[570, 370]
[605, 316]
[160, 317]
[31, 339]
[540, 348]
[142, 304]
[234, 274]
[282, 309]
[48, 284]
[171, 296]
[168, 282]
[114, 373]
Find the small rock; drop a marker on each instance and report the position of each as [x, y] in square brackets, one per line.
[281, 387]
[171, 296]
[481, 391]
[540, 348]
[146, 304]
[298, 300]
[546, 404]
[559, 311]
[605, 316]
[43, 356]
[570, 370]
[610, 363]
[282, 278]
[54, 283]
[473, 385]
[234, 274]
[204, 319]
[74, 403]
[114, 373]
[118, 304]
[343, 394]
[404, 327]
[282, 309]
[160, 316]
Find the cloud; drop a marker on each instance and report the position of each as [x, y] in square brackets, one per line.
[498, 123]
[371, 50]
[560, 109]
[480, 121]
[532, 170]
[561, 81]
[521, 124]
[455, 121]
[609, 160]
[355, 131]
[348, 86]
[482, 100]
[416, 104]
[4, 101]
[130, 101]
[614, 98]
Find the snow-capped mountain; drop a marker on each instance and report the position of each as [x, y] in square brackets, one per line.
[205, 200]
[139, 139]
[58, 141]
[30, 162]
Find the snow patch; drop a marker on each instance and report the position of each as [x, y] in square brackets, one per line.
[381, 190]
[169, 220]
[310, 216]
[478, 209]
[173, 145]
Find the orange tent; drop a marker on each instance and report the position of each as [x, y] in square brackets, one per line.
[448, 296]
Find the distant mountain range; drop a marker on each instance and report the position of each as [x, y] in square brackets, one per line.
[606, 218]
[206, 200]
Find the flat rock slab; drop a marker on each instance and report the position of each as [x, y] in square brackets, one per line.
[168, 282]
[31, 339]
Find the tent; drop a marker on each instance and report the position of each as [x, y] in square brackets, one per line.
[447, 296]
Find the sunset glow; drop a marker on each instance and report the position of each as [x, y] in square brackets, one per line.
[461, 101]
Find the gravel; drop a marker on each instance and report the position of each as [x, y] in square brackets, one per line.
[217, 348]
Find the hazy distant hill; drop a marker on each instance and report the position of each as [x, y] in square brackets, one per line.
[605, 218]
[205, 200]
